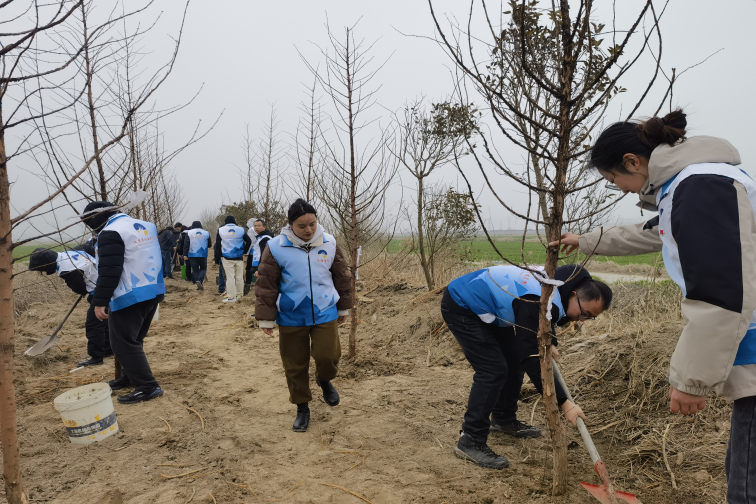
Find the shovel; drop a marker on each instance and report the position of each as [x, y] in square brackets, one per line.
[50, 340]
[604, 493]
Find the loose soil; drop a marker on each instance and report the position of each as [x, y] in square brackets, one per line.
[389, 441]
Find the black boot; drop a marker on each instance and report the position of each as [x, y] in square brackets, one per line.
[140, 395]
[515, 428]
[120, 383]
[303, 418]
[329, 393]
[479, 453]
[91, 362]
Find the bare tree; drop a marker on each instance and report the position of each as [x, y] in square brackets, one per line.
[428, 140]
[307, 153]
[358, 173]
[547, 80]
[37, 87]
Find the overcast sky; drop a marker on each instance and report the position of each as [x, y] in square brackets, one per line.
[245, 55]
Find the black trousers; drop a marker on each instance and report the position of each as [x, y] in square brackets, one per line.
[740, 463]
[98, 340]
[497, 381]
[189, 268]
[249, 273]
[199, 268]
[128, 328]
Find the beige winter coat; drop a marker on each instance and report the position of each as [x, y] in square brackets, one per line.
[713, 234]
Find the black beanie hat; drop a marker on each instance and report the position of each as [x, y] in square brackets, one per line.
[196, 225]
[230, 219]
[97, 220]
[44, 260]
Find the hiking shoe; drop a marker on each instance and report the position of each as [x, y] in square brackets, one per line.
[330, 395]
[516, 429]
[222, 293]
[120, 383]
[91, 362]
[479, 453]
[199, 286]
[302, 421]
[230, 300]
[140, 395]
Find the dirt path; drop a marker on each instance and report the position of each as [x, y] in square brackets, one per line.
[389, 440]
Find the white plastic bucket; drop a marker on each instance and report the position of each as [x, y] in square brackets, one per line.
[87, 413]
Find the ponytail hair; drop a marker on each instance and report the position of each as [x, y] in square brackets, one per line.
[594, 290]
[639, 138]
[298, 209]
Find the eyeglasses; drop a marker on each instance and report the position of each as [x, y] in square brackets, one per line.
[583, 315]
[612, 187]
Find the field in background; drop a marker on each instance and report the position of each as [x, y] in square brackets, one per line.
[480, 250]
[22, 252]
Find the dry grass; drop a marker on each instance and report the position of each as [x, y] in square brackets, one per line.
[33, 287]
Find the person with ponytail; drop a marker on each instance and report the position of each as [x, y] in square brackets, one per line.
[494, 313]
[304, 285]
[706, 231]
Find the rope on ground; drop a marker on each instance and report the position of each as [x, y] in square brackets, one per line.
[166, 423]
[194, 491]
[211, 496]
[193, 411]
[347, 491]
[666, 462]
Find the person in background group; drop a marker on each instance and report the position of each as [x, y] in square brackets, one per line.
[259, 243]
[494, 314]
[706, 231]
[183, 253]
[79, 270]
[304, 284]
[167, 238]
[176, 258]
[130, 282]
[230, 244]
[197, 243]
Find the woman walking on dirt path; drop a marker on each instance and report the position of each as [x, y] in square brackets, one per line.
[494, 315]
[304, 284]
[706, 231]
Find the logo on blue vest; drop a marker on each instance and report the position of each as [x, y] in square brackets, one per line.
[232, 231]
[323, 254]
[198, 233]
[141, 229]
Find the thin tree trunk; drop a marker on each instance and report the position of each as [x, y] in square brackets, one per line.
[353, 205]
[14, 490]
[421, 236]
[95, 143]
[556, 427]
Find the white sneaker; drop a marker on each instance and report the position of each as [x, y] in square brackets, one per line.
[229, 300]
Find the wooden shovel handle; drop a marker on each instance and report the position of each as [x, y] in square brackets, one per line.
[66, 317]
[592, 451]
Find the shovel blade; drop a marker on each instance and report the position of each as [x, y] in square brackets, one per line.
[42, 345]
[602, 495]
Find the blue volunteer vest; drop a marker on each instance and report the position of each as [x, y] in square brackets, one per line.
[256, 253]
[198, 240]
[306, 294]
[232, 241]
[747, 350]
[489, 293]
[142, 277]
[81, 261]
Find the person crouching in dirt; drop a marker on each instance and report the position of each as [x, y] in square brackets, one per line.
[79, 270]
[494, 315]
[705, 230]
[130, 282]
[302, 263]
